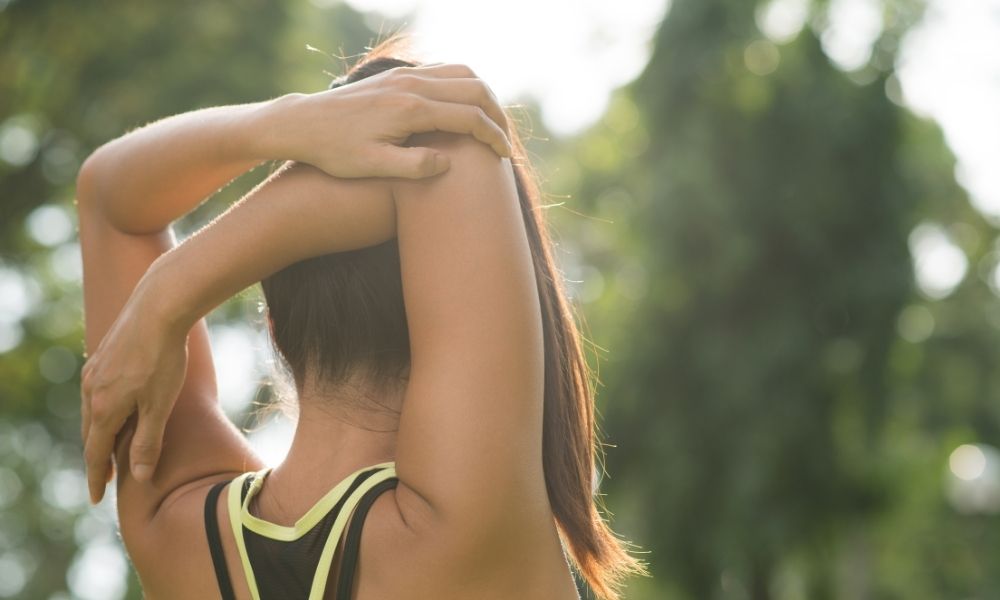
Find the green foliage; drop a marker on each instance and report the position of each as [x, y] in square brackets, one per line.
[774, 433]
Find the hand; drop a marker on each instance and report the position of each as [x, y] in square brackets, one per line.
[139, 365]
[357, 130]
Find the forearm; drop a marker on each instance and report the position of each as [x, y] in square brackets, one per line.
[149, 177]
[298, 213]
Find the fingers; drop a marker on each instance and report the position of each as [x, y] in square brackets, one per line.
[461, 118]
[84, 412]
[412, 163]
[441, 70]
[470, 91]
[455, 84]
[98, 449]
[147, 442]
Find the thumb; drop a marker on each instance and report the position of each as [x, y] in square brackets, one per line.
[413, 163]
[144, 451]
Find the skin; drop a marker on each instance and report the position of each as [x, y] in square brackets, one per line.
[470, 516]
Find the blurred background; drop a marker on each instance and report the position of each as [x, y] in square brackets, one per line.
[778, 218]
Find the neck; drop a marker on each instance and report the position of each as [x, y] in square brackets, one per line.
[331, 442]
[327, 439]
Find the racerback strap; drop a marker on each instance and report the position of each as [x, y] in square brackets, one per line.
[348, 563]
[215, 542]
[352, 542]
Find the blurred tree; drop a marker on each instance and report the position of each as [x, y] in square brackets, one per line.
[780, 423]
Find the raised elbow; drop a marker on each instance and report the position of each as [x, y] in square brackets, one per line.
[87, 182]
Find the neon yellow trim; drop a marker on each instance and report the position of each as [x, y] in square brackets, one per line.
[233, 502]
[309, 520]
[333, 540]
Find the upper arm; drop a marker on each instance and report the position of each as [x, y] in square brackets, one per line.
[470, 436]
[198, 440]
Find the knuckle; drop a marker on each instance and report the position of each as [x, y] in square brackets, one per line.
[409, 103]
[405, 81]
[480, 116]
[87, 375]
[145, 447]
[486, 94]
[101, 411]
[401, 71]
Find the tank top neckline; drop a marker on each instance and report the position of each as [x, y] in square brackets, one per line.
[312, 516]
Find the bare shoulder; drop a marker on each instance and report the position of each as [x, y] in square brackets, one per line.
[406, 553]
[174, 560]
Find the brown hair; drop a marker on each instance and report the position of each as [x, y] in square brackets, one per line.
[344, 313]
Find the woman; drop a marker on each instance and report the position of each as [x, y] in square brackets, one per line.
[456, 427]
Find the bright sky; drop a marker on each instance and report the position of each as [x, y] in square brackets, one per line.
[568, 53]
[950, 71]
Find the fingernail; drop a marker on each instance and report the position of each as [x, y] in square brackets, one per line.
[142, 472]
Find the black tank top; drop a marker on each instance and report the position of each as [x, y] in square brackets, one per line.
[293, 563]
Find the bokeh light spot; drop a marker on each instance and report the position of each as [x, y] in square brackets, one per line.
[57, 364]
[18, 141]
[10, 487]
[967, 462]
[973, 485]
[853, 26]
[50, 225]
[939, 264]
[98, 573]
[13, 574]
[915, 324]
[761, 57]
[782, 20]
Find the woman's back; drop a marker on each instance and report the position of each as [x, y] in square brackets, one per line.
[393, 560]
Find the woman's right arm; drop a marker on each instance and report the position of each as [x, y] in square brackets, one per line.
[149, 177]
[131, 189]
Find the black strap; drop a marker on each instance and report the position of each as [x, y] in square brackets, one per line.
[215, 542]
[348, 562]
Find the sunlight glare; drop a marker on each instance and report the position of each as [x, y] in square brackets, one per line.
[569, 55]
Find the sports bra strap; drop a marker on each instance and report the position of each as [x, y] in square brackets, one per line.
[215, 542]
[352, 542]
[348, 563]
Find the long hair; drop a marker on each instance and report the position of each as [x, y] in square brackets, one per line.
[343, 313]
